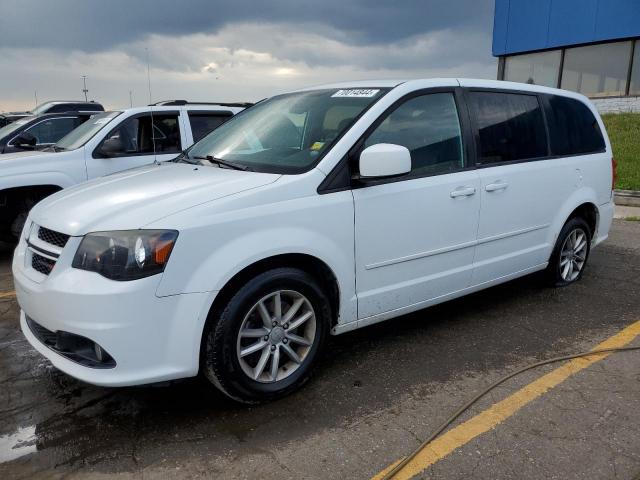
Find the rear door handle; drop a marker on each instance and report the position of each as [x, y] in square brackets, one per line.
[492, 187]
[463, 192]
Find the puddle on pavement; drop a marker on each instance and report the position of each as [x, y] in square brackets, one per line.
[18, 444]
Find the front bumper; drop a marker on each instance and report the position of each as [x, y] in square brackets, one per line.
[150, 338]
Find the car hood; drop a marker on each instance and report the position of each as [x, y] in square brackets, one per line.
[135, 198]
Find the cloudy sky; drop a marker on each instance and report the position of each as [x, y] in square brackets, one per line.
[232, 50]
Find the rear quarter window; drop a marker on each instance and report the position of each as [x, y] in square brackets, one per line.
[573, 129]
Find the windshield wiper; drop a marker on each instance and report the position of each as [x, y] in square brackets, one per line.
[58, 149]
[224, 163]
[184, 158]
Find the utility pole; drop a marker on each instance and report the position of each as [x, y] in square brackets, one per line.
[35, 95]
[130, 98]
[84, 82]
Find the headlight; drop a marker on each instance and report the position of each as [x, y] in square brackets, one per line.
[125, 255]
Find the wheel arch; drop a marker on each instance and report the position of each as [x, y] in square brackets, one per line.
[589, 212]
[306, 262]
[310, 264]
[582, 203]
[38, 189]
[13, 200]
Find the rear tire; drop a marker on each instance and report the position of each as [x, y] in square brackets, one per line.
[570, 254]
[264, 343]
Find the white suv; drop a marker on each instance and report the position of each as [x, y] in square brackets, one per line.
[106, 143]
[314, 212]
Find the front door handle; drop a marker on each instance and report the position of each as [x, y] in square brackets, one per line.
[492, 187]
[463, 192]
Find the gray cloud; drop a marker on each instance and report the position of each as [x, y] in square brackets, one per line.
[94, 25]
[210, 50]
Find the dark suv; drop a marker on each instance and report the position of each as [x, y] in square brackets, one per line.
[38, 132]
[58, 106]
[54, 106]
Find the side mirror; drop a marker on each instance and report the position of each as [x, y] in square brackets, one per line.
[384, 160]
[111, 147]
[25, 140]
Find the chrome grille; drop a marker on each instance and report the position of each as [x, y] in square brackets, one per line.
[42, 264]
[54, 238]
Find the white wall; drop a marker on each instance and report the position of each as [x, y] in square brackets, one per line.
[617, 105]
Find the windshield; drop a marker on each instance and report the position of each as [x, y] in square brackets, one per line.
[288, 133]
[85, 132]
[12, 127]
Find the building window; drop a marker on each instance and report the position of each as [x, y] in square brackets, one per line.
[597, 70]
[535, 68]
[634, 86]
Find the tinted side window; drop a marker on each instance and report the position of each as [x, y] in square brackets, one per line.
[204, 123]
[133, 136]
[429, 127]
[58, 108]
[510, 126]
[90, 107]
[50, 131]
[572, 127]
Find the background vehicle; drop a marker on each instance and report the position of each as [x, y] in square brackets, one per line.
[39, 132]
[108, 143]
[8, 117]
[315, 212]
[57, 106]
[54, 106]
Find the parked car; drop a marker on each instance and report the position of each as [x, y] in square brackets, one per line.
[108, 143]
[57, 106]
[54, 106]
[315, 212]
[8, 117]
[39, 132]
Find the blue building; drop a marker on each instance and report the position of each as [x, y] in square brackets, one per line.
[588, 46]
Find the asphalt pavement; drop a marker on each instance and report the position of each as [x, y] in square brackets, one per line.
[377, 393]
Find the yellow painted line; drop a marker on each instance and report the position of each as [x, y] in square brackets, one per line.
[497, 413]
[7, 294]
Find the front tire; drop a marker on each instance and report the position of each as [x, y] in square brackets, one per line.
[570, 254]
[17, 224]
[264, 343]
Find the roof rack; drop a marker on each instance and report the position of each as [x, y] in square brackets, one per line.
[175, 103]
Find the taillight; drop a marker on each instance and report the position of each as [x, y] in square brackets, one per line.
[614, 173]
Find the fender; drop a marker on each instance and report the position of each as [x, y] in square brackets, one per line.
[228, 259]
[582, 195]
[58, 179]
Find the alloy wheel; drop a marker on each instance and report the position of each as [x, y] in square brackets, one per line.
[573, 254]
[276, 336]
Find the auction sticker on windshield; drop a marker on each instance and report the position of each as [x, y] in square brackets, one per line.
[356, 93]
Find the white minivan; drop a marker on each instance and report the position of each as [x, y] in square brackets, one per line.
[314, 212]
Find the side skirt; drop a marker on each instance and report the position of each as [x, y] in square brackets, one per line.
[347, 327]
